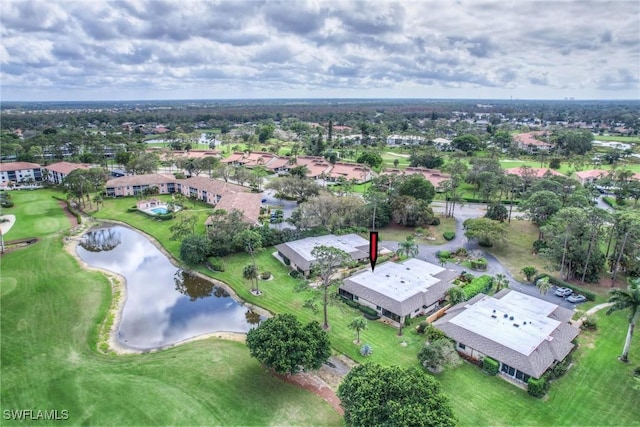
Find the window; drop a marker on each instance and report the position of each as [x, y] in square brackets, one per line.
[461, 346]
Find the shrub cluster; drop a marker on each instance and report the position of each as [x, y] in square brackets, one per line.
[443, 254]
[368, 312]
[559, 370]
[449, 235]
[7, 204]
[294, 273]
[216, 264]
[479, 264]
[561, 283]
[265, 275]
[478, 285]
[490, 366]
[589, 322]
[537, 387]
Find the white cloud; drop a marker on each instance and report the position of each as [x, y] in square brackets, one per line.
[227, 49]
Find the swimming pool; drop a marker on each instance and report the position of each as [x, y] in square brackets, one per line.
[160, 211]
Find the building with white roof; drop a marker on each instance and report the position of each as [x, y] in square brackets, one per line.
[400, 290]
[297, 254]
[527, 335]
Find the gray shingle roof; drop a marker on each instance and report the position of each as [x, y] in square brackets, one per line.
[299, 251]
[554, 347]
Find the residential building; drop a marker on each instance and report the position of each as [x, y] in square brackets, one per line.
[400, 290]
[349, 171]
[222, 195]
[132, 185]
[405, 140]
[533, 142]
[20, 172]
[525, 334]
[297, 254]
[434, 176]
[590, 176]
[443, 144]
[57, 172]
[317, 166]
[247, 203]
[532, 172]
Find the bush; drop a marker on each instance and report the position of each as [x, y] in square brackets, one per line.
[560, 369]
[539, 245]
[179, 175]
[478, 285]
[216, 264]
[266, 275]
[7, 204]
[422, 326]
[461, 252]
[368, 312]
[449, 235]
[366, 350]
[562, 284]
[433, 334]
[443, 254]
[537, 387]
[589, 322]
[479, 264]
[636, 372]
[435, 221]
[132, 209]
[490, 366]
[294, 273]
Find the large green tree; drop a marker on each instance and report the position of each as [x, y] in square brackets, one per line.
[627, 299]
[416, 186]
[376, 395]
[486, 231]
[283, 344]
[194, 249]
[327, 261]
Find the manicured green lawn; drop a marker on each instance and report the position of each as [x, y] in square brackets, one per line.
[597, 390]
[50, 309]
[280, 296]
[617, 138]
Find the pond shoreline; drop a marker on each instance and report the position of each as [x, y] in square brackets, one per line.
[119, 286]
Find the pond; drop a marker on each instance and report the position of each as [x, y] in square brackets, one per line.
[164, 304]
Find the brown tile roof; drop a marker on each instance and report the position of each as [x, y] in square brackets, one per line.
[349, 171]
[594, 173]
[213, 186]
[235, 157]
[148, 179]
[17, 166]
[247, 203]
[277, 162]
[66, 167]
[529, 138]
[316, 165]
[434, 176]
[536, 172]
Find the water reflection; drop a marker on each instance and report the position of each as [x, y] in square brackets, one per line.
[196, 287]
[164, 304]
[104, 239]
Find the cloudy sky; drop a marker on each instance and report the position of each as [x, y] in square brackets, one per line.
[187, 49]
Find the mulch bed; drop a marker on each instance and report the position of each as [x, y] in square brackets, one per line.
[315, 385]
[72, 217]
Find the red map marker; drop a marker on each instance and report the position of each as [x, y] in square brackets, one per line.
[373, 248]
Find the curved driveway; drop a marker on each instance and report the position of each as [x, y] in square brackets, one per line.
[428, 253]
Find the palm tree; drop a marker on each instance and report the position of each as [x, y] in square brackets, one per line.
[543, 285]
[409, 247]
[250, 272]
[627, 299]
[358, 324]
[500, 282]
[97, 199]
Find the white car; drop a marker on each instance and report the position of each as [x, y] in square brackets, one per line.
[563, 292]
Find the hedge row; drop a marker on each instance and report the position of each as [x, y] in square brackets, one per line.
[490, 366]
[478, 285]
[537, 387]
[363, 308]
[561, 283]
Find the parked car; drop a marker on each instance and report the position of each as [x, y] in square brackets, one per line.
[563, 292]
[577, 299]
